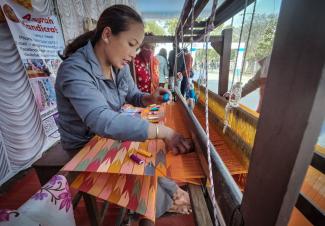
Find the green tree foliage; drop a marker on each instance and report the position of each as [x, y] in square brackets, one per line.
[152, 26]
[171, 26]
[200, 55]
[261, 38]
[265, 43]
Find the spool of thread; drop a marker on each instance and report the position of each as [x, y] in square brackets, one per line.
[144, 153]
[153, 113]
[153, 120]
[136, 159]
[153, 117]
[166, 97]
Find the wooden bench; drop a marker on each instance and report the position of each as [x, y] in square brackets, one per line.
[199, 206]
[50, 164]
[52, 161]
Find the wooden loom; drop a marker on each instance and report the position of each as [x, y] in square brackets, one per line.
[286, 172]
[106, 171]
[277, 147]
[235, 149]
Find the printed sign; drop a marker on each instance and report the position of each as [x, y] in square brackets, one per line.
[38, 39]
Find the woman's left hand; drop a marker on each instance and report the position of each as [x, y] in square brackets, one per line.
[157, 96]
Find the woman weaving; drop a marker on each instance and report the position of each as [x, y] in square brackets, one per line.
[94, 82]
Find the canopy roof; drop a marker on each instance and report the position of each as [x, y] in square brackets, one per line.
[165, 9]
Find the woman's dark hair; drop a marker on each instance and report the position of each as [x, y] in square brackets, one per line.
[117, 17]
[163, 53]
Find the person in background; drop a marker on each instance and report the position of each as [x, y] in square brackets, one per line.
[187, 71]
[154, 71]
[163, 67]
[258, 81]
[147, 68]
[94, 82]
[191, 96]
[180, 65]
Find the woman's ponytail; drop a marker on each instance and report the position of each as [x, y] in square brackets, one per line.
[77, 43]
[117, 17]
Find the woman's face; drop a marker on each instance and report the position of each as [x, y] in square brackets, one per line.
[120, 49]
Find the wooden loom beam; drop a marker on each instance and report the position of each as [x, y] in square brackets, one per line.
[291, 116]
[223, 48]
[184, 15]
[225, 11]
[227, 192]
[170, 39]
[199, 6]
[199, 206]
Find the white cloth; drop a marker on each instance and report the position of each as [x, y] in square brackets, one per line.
[50, 206]
[74, 12]
[22, 138]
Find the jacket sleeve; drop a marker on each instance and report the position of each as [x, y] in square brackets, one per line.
[252, 84]
[92, 108]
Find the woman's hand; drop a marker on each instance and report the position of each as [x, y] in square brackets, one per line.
[179, 76]
[227, 96]
[176, 142]
[173, 140]
[157, 96]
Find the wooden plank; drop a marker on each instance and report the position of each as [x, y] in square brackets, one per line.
[318, 162]
[199, 24]
[199, 6]
[92, 209]
[120, 217]
[199, 206]
[170, 39]
[195, 32]
[185, 12]
[217, 47]
[227, 192]
[226, 10]
[314, 214]
[225, 61]
[291, 116]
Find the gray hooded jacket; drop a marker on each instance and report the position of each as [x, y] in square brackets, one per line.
[89, 104]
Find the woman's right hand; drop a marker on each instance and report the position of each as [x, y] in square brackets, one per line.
[176, 142]
[173, 140]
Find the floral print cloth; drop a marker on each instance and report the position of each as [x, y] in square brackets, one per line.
[142, 70]
[50, 206]
[147, 73]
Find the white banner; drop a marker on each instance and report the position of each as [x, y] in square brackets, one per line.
[38, 39]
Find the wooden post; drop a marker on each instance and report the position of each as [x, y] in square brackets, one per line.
[224, 50]
[291, 116]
